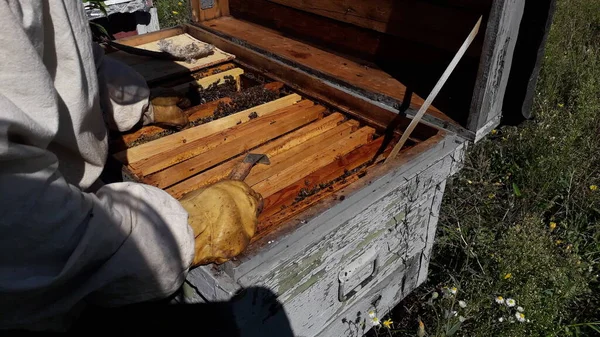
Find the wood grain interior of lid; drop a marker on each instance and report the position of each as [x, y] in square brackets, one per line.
[338, 67]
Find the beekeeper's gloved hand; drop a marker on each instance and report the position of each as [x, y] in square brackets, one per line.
[223, 217]
[165, 108]
[126, 100]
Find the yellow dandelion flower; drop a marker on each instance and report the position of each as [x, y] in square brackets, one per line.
[561, 105]
[388, 323]
[494, 132]
[421, 330]
[180, 3]
[593, 188]
[507, 276]
[552, 226]
[175, 12]
[558, 242]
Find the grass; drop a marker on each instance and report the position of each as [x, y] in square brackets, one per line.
[172, 12]
[522, 219]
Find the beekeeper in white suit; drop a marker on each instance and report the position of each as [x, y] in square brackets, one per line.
[64, 243]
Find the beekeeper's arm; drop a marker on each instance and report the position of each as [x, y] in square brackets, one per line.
[126, 100]
[59, 246]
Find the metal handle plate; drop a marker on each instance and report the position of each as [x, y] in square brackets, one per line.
[352, 270]
[206, 4]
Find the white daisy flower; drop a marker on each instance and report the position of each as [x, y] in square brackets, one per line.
[501, 319]
[453, 290]
[461, 319]
[462, 304]
[452, 313]
[510, 302]
[372, 313]
[500, 300]
[375, 321]
[520, 309]
[520, 317]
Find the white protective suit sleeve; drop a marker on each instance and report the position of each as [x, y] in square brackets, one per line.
[124, 94]
[60, 247]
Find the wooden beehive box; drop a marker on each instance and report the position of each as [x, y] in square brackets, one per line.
[325, 89]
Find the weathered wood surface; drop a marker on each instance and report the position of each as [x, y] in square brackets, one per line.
[272, 149]
[393, 228]
[262, 128]
[494, 68]
[155, 70]
[431, 230]
[386, 294]
[391, 290]
[212, 284]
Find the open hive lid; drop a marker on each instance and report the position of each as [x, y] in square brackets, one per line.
[384, 51]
